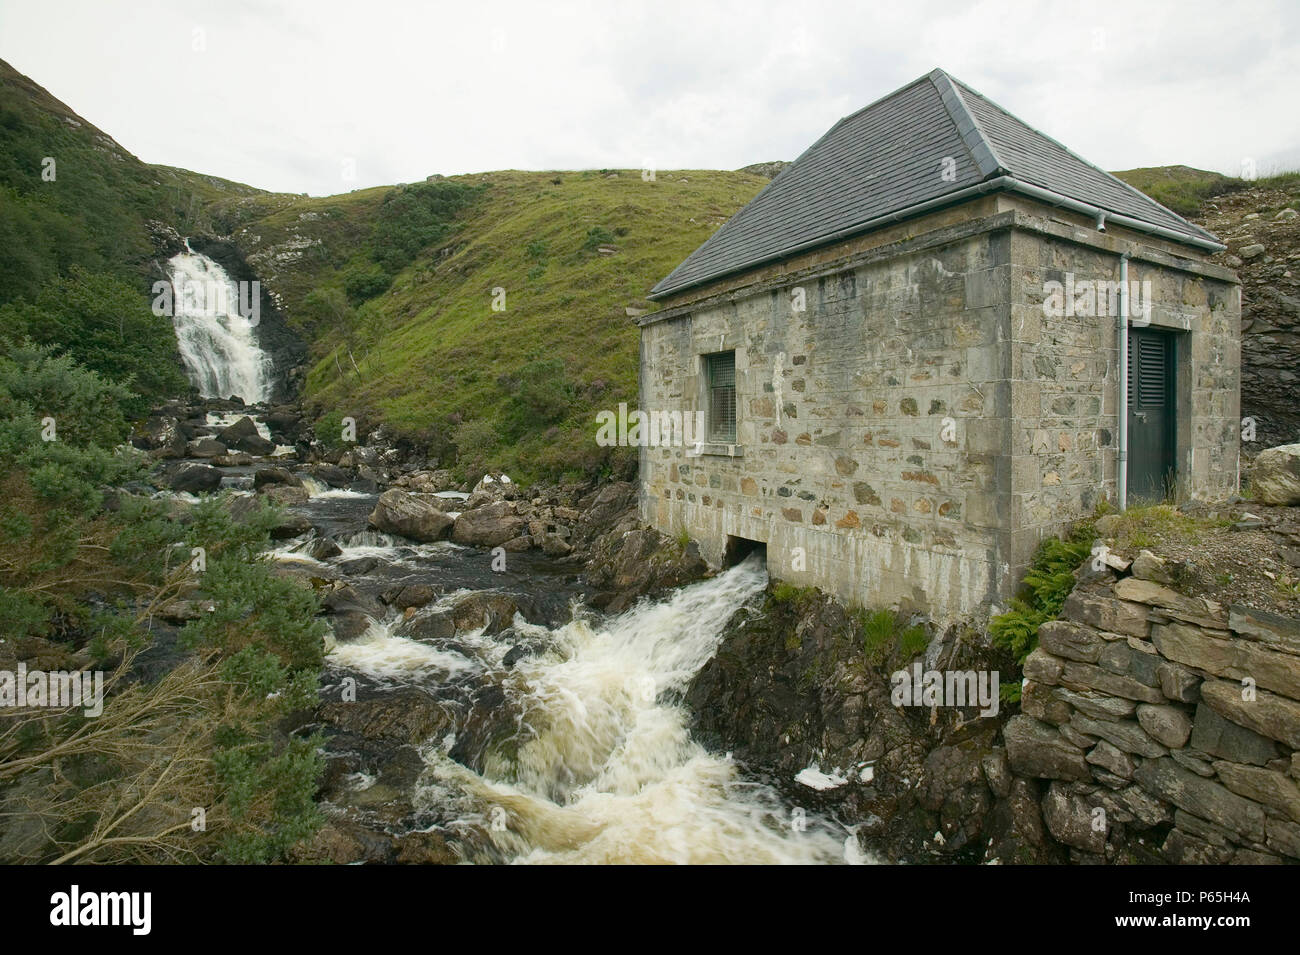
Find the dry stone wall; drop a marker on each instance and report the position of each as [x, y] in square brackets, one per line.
[1154, 715]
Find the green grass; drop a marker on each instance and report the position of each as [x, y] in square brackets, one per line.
[882, 631]
[1181, 188]
[435, 363]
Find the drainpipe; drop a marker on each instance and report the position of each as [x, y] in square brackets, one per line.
[1121, 329]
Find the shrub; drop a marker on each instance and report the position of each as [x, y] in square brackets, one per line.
[365, 283]
[1047, 583]
[414, 217]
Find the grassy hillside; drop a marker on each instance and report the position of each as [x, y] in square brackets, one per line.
[430, 358]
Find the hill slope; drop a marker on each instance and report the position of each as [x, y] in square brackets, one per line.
[518, 388]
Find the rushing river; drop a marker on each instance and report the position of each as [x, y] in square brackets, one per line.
[578, 750]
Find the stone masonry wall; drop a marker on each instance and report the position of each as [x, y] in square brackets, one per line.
[1064, 428]
[912, 435]
[843, 467]
[1177, 718]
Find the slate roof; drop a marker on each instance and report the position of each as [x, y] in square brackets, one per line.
[887, 158]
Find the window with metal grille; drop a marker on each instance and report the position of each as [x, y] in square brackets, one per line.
[720, 372]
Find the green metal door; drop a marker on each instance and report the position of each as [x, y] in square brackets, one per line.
[1151, 414]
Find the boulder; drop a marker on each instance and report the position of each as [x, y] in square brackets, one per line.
[1275, 475]
[244, 436]
[193, 478]
[488, 526]
[430, 625]
[404, 716]
[418, 517]
[494, 611]
[239, 459]
[205, 448]
[273, 476]
[285, 495]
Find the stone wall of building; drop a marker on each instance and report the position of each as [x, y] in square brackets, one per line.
[870, 426]
[1151, 711]
[913, 432]
[1064, 429]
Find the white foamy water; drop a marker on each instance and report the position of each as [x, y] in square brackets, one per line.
[610, 773]
[218, 344]
[395, 660]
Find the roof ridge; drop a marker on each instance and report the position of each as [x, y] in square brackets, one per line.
[981, 149]
[1091, 165]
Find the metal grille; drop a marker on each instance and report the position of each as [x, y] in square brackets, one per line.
[1151, 372]
[721, 370]
[1147, 356]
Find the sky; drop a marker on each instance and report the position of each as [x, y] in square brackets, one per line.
[324, 97]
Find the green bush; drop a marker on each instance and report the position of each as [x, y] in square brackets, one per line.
[414, 217]
[596, 237]
[106, 326]
[365, 283]
[541, 395]
[75, 579]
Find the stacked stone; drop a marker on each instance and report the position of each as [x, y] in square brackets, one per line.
[1157, 714]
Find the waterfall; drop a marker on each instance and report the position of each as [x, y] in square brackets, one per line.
[217, 343]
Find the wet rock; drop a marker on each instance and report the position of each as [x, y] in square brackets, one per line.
[237, 460]
[284, 495]
[425, 848]
[349, 624]
[1275, 475]
[205, 448]
[431, 625]
[418, 517]
[265, 477]
[640, 562]
[340, 843]
[404, 716]
[494, 611]
[412, 595]
[243, 436]
[323, 548]
[193, 478]
[488, 526]
[332, 475]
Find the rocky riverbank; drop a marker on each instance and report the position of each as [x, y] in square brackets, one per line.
[1156, 723]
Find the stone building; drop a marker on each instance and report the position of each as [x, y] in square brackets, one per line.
[906, 349]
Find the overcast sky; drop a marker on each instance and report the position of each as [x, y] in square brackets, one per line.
[293, 96]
